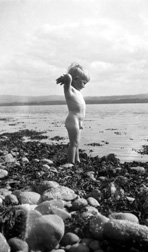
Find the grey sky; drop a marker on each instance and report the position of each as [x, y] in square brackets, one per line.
[40, 38]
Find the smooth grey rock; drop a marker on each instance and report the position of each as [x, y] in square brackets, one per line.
[45, 185]
[69, 239]
[11, 199]
[94, 245]
[45, 167]
[27, 197]
[46, 233]
[95, 194]
[124, 216]
[4, 192]
[79, 204]
[93, 202]
[68, 165]
[17, 244]
[48, 208]
[47, 161]
[139, 169]
[25, 160]
[60, 192]
[9, 158]
[3, 173]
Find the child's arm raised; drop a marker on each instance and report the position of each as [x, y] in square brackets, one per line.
[65, 80]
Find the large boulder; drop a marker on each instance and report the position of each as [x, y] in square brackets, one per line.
[41, 232]
[46, 233]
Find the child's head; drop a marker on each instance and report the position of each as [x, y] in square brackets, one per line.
[77, 71]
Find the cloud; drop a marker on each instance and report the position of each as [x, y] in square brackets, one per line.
[110, 38]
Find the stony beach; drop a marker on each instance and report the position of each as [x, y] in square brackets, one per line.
[98, 205]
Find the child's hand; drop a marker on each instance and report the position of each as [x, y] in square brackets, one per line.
[65, 78]
[60, 80]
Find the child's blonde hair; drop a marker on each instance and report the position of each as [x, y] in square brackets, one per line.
[76, 70]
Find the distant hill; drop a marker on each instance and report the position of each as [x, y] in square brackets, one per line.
[10, 100]
[139, 98]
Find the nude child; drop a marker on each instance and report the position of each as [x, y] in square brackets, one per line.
[73, 82]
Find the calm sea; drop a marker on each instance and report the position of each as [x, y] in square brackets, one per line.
[113, 128]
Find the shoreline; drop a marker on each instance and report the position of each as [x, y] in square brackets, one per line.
[122, 131]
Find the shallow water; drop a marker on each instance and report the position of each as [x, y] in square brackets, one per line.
[119, 128]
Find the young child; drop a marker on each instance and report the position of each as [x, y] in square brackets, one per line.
[73, 82]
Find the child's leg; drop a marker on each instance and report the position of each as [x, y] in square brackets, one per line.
[77, 158]
[74, 138]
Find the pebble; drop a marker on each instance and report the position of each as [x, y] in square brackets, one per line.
[11, 199]
[60, 192]
[94, 245]
[27, 197]
[45, 185]
[139, 169]
[47, 208]
[61, 213]
[95, 194]
[79, 204]
[124, 216]
[17, 244]
[3, 173]
[79, 247]
[4, 192]
[68, 165]
[46, 167]
[25, 160]
[93, 202]
[69, 239]
[45, 232]
[130, 199]
[48, 161]
[9, 158]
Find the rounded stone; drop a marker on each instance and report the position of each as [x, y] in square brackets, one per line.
[95, 194]
[79, 247]
[11, 199]
[17, 244]
[3, 173]
[124, 216]
[69, 239]
[93, 202]
[94, 245]
[45, 185]
[27, 197]
[60, 192]
[45, 233]
[79, 204]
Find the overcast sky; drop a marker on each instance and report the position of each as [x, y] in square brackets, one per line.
[40, 38]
